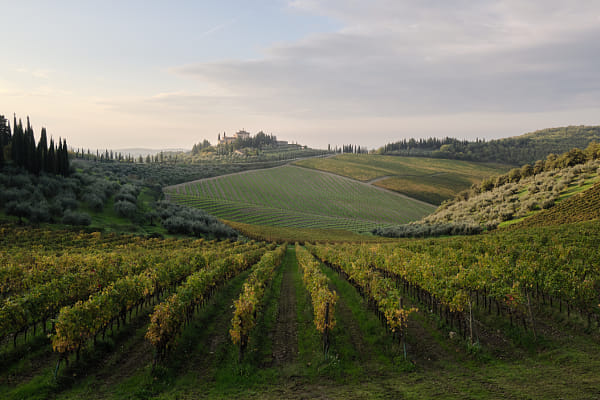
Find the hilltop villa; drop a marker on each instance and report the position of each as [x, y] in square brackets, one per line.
[228, 139]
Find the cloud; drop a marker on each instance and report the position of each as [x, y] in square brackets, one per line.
[401, 58]
[36, 73]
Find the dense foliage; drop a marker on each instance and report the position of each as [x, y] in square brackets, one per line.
[52, 198]
[19, 148]
[73, 200]
[428, 230]
[191, 221]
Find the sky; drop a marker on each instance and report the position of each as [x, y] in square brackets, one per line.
[168, 74]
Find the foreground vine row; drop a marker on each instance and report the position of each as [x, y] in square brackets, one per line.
[247, 305]
[323, 299]
[169, 317]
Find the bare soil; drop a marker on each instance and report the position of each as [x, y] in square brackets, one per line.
[285, 338]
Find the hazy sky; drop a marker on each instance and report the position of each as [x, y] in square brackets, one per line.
[167, 74]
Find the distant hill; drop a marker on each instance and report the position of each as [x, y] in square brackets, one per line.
[136, 152]
[517, 150]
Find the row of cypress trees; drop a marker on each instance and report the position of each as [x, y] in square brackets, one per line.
[20, 148]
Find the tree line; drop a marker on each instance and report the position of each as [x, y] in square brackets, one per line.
[518, 150]
[18, 146]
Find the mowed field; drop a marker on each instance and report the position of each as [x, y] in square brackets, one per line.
[428, 179]
[291, 196]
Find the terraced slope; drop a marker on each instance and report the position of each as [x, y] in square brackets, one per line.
[583, 206]
[290, 196]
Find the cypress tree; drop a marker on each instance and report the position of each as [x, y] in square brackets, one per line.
[32, 162]
[4, 131]
[17, 145]
[4, 137]
[65, 159]
[60, 162]
[42, 150]
[58, 157]
[50, 160]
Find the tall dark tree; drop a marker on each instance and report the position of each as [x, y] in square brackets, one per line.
[51, 160]
[17, 145]
[4, 131]
[4, 137]
[64, 159]
[42, 150]
[29, 151]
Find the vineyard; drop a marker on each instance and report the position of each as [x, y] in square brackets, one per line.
[584, 206]
[223, 318]
[298, 198]
[428, 179]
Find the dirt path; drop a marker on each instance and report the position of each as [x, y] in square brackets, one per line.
[285, 339]
[355, 334]
[379, 178]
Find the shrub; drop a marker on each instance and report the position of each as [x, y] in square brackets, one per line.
[18, 208]
[191, 221]
[125, 196]
[424, 230]
[93, 201]
[67, 201]
[125, 209]
[547, 203]
[39, 212]
[76, 218]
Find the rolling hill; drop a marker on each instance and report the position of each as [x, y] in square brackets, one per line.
[517, 150]
[291, 196]
[518, 195]
[427, 179]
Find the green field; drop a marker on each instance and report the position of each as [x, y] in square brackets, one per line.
[296, 197]
[428, 179]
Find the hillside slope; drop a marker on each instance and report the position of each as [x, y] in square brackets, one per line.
[426, 179]
[296, 197]
[515, 150]
[520, 193]
[583, 206]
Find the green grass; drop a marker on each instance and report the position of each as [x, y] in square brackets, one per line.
[429, 179]
[298, 198]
